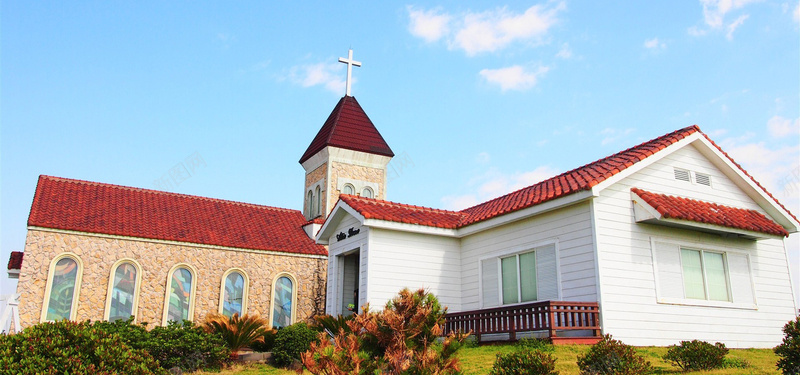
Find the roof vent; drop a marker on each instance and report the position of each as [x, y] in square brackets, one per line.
[702, 179]
[682, 175]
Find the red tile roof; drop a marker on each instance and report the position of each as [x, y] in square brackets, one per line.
[15, 261]
[348, 127]
[84, 206]
[403, 213]
[672, 207]
[578, 179]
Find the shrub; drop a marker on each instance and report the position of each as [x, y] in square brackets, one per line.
[789, 349]
[524, 362]
[291, 341]
[532, 343]
[611, 356]
[187, 346]
[735, 363]
[332, 324]
[696, 355]
[266, 343]
[404, 338]
[237, 332]
[71, 348]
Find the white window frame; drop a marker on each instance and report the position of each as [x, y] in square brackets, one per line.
[244, 289]
[295, 286]
[49, 288]
[192, 297]
[528, 247]
[136, 287]
[693, 245]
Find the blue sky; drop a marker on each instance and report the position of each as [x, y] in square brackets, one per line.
[476, 98]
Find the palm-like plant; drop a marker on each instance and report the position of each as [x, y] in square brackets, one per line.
[238, 332]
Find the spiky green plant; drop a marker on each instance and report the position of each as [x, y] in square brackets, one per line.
[237, 331]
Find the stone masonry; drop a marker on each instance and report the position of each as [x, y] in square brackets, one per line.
[99, 254]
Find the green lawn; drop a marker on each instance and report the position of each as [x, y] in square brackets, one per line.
[479, 360]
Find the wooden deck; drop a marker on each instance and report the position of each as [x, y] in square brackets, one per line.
[561, 322]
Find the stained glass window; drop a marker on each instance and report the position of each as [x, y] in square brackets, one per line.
[282, 303]
[233, 294]
[62, 290]
[180, 295]
[123, 292]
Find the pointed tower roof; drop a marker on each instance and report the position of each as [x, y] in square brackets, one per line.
[350, 128]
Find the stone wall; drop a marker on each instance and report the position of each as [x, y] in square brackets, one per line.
[355, 172]
[99, 254]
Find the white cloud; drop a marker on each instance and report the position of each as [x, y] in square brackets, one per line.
[714, 13]
[320, 74]
[781, 126]
[513, 77]
[565, 52]
[483, 158]
[655, 44]
[734, 25]
[430, 25]
[488, 31]
[796, 13]
[493, 184]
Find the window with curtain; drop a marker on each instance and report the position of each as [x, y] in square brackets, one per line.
[519, 278]
[233, 298]
[62, 289]
[704, 275]
[282, 301]
[180, 295]
[123, 292]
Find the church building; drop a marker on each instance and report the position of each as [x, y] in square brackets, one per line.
[665, 241]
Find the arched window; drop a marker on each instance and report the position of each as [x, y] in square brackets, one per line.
[348, 189]
[309, 204]
[179, 299]
[233, 299]
[122, 298]
[367, 193]
[284, 296]
[319, 202]
[64, 281]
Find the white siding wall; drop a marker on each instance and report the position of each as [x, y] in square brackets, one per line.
[570, 227]
[408, 260]
[335, 276]
[630, 310]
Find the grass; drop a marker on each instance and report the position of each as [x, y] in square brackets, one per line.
[479, 360]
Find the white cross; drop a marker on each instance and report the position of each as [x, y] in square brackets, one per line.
[350, 62]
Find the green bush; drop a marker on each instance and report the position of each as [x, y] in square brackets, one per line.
[332, 324]
[532, 343]
[237, 331]
[187, 346]
[266, 343]
[72, 348]
[696, 355]
[524, 362]
[291, 341]
[611, 356]
[789, 349]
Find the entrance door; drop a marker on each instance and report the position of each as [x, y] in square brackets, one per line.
[348, 294]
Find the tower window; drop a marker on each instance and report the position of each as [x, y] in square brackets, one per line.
[367, 193]
[348, 189]
[309, 204]
[318, 210]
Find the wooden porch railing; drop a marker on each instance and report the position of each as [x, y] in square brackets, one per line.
[549, 316]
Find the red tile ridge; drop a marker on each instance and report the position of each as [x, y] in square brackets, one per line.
[167, 193]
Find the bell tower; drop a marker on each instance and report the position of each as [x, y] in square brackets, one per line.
[347, 156]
